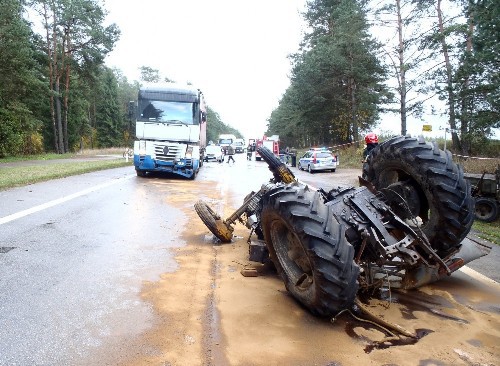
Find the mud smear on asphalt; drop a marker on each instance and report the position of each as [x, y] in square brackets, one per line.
[415, 301]
[385, 343]
[209, 314]
[409, 304]
[212, 337]
[181, 300]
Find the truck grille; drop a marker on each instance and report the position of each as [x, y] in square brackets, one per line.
[166, 152]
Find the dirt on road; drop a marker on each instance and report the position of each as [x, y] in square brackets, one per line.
[210, 314]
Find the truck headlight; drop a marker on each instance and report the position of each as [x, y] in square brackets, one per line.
[142, 147]
[189, 152]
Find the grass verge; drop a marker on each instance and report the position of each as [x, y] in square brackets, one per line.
[48, 156]
[488, 231]
[53, 156]
[23, 175]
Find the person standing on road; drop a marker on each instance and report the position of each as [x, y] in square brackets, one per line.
[250, 150]
[230, 153]
[371, 141]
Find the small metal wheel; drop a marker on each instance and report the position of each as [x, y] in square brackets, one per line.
[214, 222]
[486, 209]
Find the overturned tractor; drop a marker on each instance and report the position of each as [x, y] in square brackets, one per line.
[405, 226]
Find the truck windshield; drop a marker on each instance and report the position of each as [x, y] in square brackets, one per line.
[162, 111]
[225, 141]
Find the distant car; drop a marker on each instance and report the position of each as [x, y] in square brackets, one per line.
[316, 160]
[214, 153]
[239, 147]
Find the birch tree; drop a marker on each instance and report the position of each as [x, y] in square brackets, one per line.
[402, 26]
[466, 38]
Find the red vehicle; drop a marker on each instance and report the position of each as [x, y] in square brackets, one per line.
[272, 143]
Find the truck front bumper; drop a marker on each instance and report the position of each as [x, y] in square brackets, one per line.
[183, 166]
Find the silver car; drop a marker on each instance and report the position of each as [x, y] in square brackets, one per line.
[214, 153]
[316, 160]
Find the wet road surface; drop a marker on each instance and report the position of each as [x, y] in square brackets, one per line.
[77, 251]
[109, 268]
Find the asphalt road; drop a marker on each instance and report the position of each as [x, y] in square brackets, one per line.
[87, 263]
[75, 253]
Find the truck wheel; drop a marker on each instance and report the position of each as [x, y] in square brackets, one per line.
[486, 209]
[140, 173]
[214, 222]
[308, 247]
[419, 180]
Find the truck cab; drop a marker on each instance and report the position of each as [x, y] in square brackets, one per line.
[170, 130]
[239, 146]
[225, 140]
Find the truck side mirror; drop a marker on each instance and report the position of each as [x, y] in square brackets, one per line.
[203, 117]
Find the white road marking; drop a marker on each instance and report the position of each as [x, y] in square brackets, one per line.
[478, 276]
[29, 211]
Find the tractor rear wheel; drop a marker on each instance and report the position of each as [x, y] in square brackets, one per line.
[308, 247]
[420, 180]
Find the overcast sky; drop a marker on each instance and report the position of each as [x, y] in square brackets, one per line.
[235, 51]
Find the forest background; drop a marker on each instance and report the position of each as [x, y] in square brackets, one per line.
[57, 94]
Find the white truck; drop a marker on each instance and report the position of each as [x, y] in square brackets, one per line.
[239, 146]
[170, 130]
[225, 140]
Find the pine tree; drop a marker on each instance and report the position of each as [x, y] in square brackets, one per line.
[108, 119]
[19, 83]
[74, 35]
[336, 82]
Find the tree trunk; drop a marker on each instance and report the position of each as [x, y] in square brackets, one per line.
[51, 73]
[52, 65]
[94, 105]
[55, 92]
[449, 80]
[66, 90]
[465, 93]
[402, 70]
[60, 136]
[354, 112]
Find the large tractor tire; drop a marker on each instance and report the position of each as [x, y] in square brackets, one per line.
[420, 180]
[308, 247]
